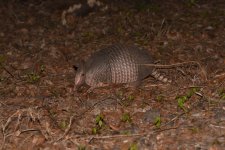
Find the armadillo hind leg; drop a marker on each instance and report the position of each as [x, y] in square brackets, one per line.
[160, 77]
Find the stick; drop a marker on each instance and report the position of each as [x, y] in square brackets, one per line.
[172, 65]
[203, 72]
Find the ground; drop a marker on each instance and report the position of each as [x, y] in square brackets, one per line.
[40, 110]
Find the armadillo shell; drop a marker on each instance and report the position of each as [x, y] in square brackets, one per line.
[117, 64]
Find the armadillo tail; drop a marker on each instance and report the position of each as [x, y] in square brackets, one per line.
[160, 77]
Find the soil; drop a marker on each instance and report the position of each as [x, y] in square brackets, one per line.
[40, 110]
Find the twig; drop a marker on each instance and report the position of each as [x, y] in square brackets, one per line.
[171, 65]
[124, 136]
[6, 70]
[2, 103]
[177, 65]
[220, 75]
[215, 126]
[27, 130]
[183, 88]
[4, 138]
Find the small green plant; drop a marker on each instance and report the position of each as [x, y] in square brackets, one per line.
[128, 100]
[55, 93]
[157, 122]
[43, 68]
[2, 59]
[120, 94]
[125, 132]
[133, 146]
[192, 91]
[191, 2]
[204, 14]
[88, 35]
[125, 100]
[126, 118]
[63, 124]
[33, 77]
[81, 147]
[99, 120]
[143, 6]
[52, 113]
[130, 97]
[222, 94]
[99, 124]
[1, 79]
[182, 99]
[119, 30]
[94, 130]
[159, 98]
[194, 129]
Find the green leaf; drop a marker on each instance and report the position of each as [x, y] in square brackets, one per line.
[43, 68]
[2, 59]
[100, 123]
[159, 98]
[133, 146]
[63, 125]
[181, 102]
[94, 130]
[33, 77]
[99, 120]
[81, 147]
[131, 97]
[157, 122]
[126, 117]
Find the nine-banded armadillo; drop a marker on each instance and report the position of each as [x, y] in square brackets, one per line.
[116, 64]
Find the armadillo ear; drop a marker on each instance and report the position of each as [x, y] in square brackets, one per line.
[79, 64]
[75, 67]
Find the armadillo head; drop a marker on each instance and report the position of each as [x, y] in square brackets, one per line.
[80, 75]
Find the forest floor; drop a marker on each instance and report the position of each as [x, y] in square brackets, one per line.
[40, 110]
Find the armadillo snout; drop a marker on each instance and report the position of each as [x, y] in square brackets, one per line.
[79, 77]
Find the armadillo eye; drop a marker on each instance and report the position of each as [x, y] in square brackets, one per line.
[82, 74]
[75, 67]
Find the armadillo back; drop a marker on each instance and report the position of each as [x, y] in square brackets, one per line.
[117, 64]
[125, 64]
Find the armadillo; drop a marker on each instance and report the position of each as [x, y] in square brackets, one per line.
[116, 64]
